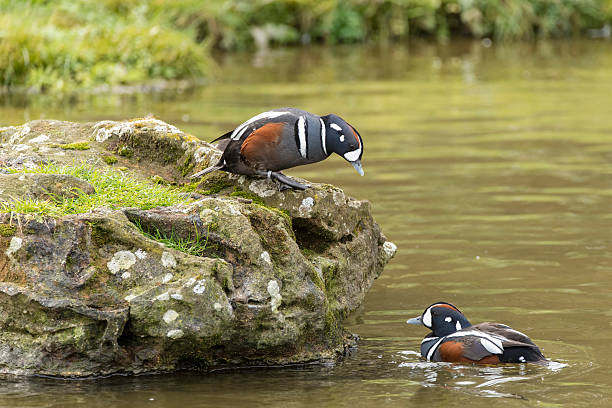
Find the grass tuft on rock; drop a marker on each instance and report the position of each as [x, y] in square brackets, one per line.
[195, 246]
[114, 190]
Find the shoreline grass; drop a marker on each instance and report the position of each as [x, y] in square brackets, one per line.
[114, 190]
[62, 45]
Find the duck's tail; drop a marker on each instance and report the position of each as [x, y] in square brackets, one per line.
[223, 136]
[222, 142]
[207, 170]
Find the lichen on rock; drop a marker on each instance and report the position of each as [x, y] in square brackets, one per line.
[238, 274]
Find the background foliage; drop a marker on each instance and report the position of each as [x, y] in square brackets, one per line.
[229, 23]
[65, 44]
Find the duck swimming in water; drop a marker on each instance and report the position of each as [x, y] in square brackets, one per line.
[454, 339]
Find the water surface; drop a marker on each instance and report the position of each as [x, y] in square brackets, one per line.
[490, 168]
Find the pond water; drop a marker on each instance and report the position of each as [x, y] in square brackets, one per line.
[490, 168]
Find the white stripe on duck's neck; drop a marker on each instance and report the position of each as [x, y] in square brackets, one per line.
[323, 137]
[303, 145]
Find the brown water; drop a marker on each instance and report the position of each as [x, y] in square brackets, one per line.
[490, 168]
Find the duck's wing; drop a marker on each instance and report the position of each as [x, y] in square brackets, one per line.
[260, 148]
[246, 128]
[510, 337]
[517, 346]
[471, 345]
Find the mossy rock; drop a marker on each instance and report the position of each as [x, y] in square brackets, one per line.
[109, 291]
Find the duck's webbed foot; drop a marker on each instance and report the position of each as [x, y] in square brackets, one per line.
[284, 181]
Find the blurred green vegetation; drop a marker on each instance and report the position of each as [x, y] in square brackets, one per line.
[66, 44]
[230, 24]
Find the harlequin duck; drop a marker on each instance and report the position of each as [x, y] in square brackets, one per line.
[283, 138]
[454, 339]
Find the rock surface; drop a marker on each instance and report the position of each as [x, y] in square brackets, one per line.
[90, 294]
[42, 186]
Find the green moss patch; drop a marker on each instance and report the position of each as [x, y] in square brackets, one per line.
[249, 196]
[110, 160]
[84, 145]
[238, 192]
[157, 179]
[114, 189]
[7, 230]
[214, 188]
[125, 151]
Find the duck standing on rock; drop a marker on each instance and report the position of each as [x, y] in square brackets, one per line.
[454, 339]
[283, 138]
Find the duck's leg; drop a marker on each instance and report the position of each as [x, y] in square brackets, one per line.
[287, 182]
[284, 181]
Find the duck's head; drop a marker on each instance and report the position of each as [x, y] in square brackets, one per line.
[442, 318]
[344, 140]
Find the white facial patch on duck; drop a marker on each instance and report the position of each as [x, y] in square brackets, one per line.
[354, 155]
[426, 320]
[458, 326]
[237, 133]
[335, 127]
[448, 319]
[341, 138]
